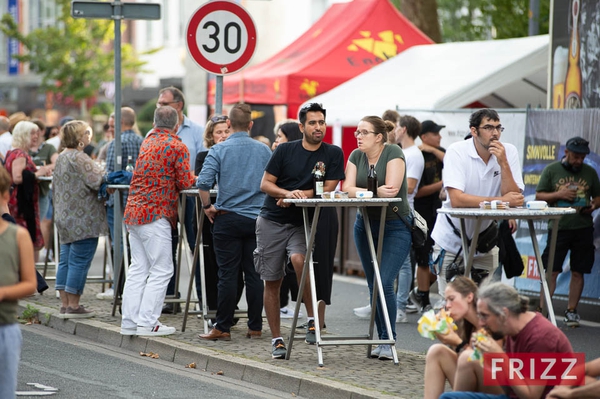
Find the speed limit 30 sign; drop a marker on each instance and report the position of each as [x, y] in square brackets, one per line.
[221, 37]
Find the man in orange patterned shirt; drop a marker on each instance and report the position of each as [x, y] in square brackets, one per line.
[162, 170]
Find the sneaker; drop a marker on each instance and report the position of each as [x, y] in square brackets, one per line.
[79, 313]
[401, 316]
[128, 331]
[363, 312]
[311, 336]
[375, 352]
[571, 318]
[108, 294]
[411, 307]
[279, 350]
[304, 326]
[287, 313]
[386, 352]
[416, 299]
[156, 331]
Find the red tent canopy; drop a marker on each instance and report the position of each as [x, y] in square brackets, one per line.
[347, 40]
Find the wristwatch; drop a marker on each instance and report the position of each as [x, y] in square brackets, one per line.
[206, 206]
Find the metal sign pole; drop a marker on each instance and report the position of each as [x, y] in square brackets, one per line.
[219, 95]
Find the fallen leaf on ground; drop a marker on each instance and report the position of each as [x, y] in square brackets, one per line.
[190, 366]
[220, 372]
[150, 354]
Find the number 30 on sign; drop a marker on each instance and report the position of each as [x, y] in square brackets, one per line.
[221, 37]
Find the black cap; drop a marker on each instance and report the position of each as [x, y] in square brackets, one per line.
[578, 145]
[430, 126]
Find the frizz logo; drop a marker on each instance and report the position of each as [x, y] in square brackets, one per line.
[533, 369]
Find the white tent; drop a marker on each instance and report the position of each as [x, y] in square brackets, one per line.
[509, 73]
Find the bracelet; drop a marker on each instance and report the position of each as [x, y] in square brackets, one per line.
[206, 206]
[461, 346]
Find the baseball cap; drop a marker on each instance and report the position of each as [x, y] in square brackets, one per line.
[430, 126]
[578, 145]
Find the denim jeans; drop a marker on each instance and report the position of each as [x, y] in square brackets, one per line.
[234, 240]
[75, 261]
[404, 281]
[396, 246]
[10, 353]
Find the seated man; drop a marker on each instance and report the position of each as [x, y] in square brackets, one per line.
[591, 389]
[504, 314]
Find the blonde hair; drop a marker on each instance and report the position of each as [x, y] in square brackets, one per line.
[22, 134]
[72, 132]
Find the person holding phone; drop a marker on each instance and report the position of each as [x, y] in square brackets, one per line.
[571, 183]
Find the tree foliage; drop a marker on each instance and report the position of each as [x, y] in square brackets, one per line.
[75, 56]
[465, 20]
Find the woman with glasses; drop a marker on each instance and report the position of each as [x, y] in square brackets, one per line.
[389, 162]
[441, 361]
[215, 132]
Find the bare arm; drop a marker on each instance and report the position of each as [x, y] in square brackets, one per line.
[439, 154]
[460, 199]
[508, 183]
[268, 185]
[412, 184]
[28, 283]
[563, 193]
[394, 177]
[349, 184]
[429, 189]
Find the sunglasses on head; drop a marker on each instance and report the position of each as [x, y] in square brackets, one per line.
[309, 106]
[219, 118]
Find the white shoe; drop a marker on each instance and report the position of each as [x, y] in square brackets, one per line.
[128, 331]
[156, 331]
[363, 312]
[287, 313]
[108, 294]
[411, 307]
[401, 316]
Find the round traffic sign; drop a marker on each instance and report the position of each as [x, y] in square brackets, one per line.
[221, 37]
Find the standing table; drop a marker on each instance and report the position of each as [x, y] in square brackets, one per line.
[512, 213]
[310, 231]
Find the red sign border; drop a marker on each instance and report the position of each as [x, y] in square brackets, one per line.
[194, 50]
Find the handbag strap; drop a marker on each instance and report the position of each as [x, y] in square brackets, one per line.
[395, 210]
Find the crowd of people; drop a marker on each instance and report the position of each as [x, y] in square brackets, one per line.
[257, 240]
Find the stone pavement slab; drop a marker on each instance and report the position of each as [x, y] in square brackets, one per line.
[347, 372]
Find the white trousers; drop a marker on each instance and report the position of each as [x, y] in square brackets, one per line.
[149, 273]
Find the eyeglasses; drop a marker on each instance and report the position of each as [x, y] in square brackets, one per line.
[483, 316]
[491, 128]
[219, 118]
[362, 133]
[164, 103]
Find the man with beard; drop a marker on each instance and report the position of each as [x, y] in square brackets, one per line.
[476, 170]
[504, 315]
[571, 183]
[279, 227]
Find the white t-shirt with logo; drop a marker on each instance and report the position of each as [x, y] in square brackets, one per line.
[464, 170]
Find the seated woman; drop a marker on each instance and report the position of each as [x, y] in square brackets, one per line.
[440, 364]
[79, 216]
[390, 166]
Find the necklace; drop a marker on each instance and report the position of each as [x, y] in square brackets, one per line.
[375, 159]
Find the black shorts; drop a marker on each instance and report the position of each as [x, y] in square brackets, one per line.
[581, 244]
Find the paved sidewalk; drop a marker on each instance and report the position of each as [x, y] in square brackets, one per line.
[347, 372]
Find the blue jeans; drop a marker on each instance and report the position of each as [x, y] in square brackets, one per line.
[396, 246]
[234, 238]
[471, 395]
[404, 280]
[75, 261]
[10, 353]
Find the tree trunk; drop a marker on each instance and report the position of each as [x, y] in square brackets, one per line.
[423, 13]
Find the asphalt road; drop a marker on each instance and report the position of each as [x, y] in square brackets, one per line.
[79, 368]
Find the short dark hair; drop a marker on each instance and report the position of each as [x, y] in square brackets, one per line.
[240, 116]
[310, 107]
[177, 94]
[478, 116]
[291, 131]
[412, 125]
[391, 115]
[166, 117]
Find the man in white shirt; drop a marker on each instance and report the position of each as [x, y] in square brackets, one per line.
[478, 169]
[5, 137]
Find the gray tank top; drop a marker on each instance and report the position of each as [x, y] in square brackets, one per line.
[9, 272]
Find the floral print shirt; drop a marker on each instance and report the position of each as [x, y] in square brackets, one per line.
[162, 170]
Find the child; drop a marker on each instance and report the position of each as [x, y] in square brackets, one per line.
[17, 280]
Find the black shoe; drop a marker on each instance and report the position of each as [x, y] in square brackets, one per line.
[171, 308]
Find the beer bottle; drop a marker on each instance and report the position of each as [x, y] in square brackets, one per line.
[129, 167]
[372, 181]
[318, 180]
[573, 79]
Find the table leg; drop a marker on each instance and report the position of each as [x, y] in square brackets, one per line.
[307, 269]
[378, 285]
[469, 251]
[198, 253]
[544, 275]
[117, 254]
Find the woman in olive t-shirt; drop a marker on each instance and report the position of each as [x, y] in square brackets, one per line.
[371, 136]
